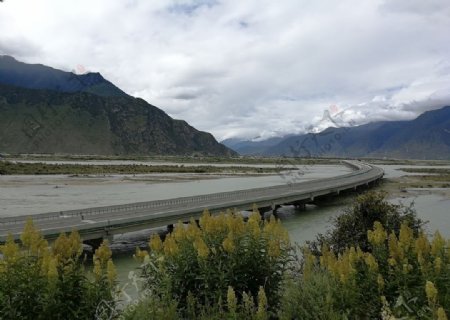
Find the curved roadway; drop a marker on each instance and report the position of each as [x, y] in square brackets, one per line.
[95, 223]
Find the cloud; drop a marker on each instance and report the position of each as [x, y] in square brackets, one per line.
[17, 47]
[403, 103]
[418, 7]
[248, 68]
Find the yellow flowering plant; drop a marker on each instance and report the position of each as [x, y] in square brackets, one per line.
[220, 252]
[352, 226]
[405, 276]
[43, 281]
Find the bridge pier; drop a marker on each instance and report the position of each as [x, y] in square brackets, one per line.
[96, 243]
[300, 206]
[170, 228]
[273, 209]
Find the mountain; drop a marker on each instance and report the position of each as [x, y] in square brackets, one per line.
[44, 110]
[38, 76]
[248, 147]
[426, 137]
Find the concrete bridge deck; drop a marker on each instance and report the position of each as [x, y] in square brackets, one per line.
[101, 222]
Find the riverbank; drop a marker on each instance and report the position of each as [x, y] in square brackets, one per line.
[176, 159]
[413, 181]
[42, 168]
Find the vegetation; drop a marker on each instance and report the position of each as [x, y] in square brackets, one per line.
[430, 178]
[409, 162]
[221, 265]
[179, 159]
[48, 121]
[402, 277]
[10, 168]
[376, 263]
[389, 270]
[232, 308]
[39, 282]
[351, 227]
[439, 171]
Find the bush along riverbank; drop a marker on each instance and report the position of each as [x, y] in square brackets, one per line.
[377, 262]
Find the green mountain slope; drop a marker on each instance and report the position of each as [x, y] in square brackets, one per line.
[46, 121]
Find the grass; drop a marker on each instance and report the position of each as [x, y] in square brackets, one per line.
[440, 171]
[178, 159]
[410, 162]
[12, 168]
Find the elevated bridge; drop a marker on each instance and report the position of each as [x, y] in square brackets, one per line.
[94, 224]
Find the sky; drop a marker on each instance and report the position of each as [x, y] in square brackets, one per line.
[250, 69]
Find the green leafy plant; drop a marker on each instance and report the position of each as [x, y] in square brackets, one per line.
[203, 261]
[350, 228]
[401, 277]
[42, 282]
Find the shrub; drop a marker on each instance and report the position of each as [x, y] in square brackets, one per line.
[309, 298]
[39, 282]
[200, 263]
[350, 228]
[402, 276]
[155, 307]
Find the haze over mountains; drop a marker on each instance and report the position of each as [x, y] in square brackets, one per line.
[45, 110]
[246, 147]
[426, 137]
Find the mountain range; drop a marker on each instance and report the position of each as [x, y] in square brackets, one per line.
[426, 137]
[45, 110]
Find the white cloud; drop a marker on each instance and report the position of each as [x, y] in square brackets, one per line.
[248, 68]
